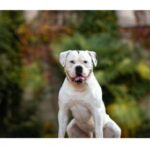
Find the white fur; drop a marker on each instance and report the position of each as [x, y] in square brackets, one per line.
[83, 100]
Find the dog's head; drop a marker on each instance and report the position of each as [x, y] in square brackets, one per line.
[78, 65]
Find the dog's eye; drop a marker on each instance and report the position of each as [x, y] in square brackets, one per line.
[72, 61]
[85, 61]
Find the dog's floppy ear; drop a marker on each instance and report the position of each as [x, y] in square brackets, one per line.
[62, 57]
[93, 57]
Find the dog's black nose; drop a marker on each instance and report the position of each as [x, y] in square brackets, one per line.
[78, 70]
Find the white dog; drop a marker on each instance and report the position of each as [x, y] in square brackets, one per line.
[82, 95]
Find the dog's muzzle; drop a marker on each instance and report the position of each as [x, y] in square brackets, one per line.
[79, 78]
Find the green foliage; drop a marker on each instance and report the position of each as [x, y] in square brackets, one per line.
[32, 77]
[14, 122]
[127, 115]
[10, 91]
[97, 21]
[122, 73]
[18, 119]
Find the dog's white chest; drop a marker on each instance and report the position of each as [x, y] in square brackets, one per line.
[80, 113]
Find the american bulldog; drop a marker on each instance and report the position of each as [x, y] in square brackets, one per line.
[82, 95]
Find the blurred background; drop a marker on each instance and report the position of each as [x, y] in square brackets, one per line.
[30, 73]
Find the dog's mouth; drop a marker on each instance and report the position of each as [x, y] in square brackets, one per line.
[79, 79]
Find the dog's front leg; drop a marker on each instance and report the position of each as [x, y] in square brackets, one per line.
[62, 120]
[98, 120]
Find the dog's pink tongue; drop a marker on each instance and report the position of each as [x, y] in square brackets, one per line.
[79, 78]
